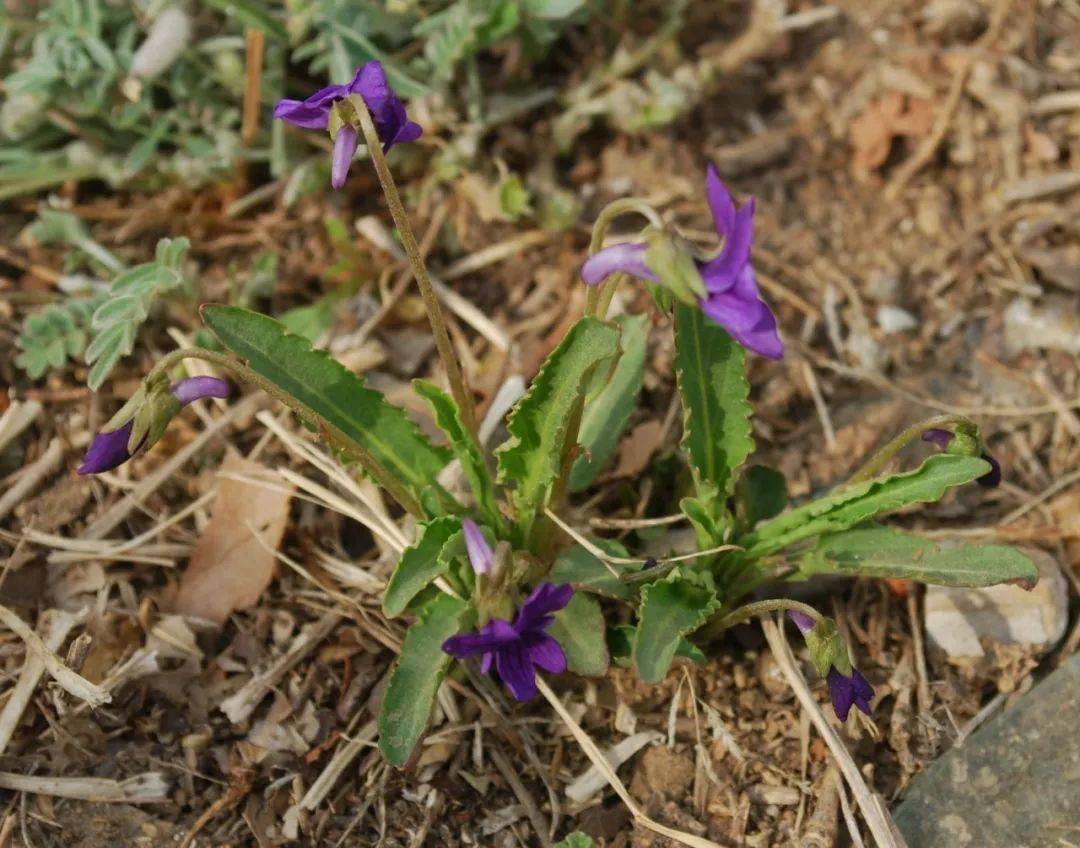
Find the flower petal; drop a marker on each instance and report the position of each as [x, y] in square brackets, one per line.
[628, 257]
[736, 252]
[107, 451]
[387, 110]
[516, 670]
[313, 113]
[720, 202]
[493, 636]
[841, 693]
[196, 388]
[344, 149]
[546, 652]
[804, 622]
[938, 436]
[481, 557]
[547, 598]
[862, 691]
[750, 322]
[992, 478]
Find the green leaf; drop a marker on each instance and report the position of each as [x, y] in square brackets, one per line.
[117, 319]
[253, 15]
[760, 494]
[670, 609]
[887, 552]
[850, 506]
[621, 645]
[309, 321]
[532, 456]
[416, 677]
[332, 394]
[585, 571]
[419, 564]
[55, 334]
[580, 628]
[448, 417]
[607, 411]
[711, 369]
[576, 840]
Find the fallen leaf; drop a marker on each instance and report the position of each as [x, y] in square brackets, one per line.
[233, 560]
[637, 449]
[893, 115]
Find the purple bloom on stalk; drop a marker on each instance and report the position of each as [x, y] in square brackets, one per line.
[517, 649]
[387, 113]
[110, 449]
[732, 298]
[481, 557]
[848, 689]
[943, 438]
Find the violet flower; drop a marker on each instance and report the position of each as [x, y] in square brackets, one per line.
[943, 438]
[517, 649]
[846, 689]
[110, 449]
[387, 113]
[481, 557]
[733, 300]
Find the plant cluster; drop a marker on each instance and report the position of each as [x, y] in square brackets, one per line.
[496, 576]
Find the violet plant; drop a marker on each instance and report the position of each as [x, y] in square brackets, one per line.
[496, 575]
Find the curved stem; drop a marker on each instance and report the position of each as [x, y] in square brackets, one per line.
[599, 232]
[878, 461]
[458, 387]
[334, 436]
[756, 608]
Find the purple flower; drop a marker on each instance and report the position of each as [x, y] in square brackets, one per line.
[518, 649]
[943, 438]
[481, 557]
[804, 622]
[733, 300]
[387, 113]
[848, 689]
[110, 449]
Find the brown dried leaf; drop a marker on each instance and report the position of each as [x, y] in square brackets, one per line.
[233, 560]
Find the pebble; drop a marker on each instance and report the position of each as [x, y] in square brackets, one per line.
[956, 619]
[893, 319]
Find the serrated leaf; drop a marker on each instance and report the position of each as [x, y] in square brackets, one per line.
[888, 552]
[416, 677]
[856, 504]
[576, 840]
[585, 571]
[419, 564]
[621, 646]
[448, 417]
[580, 629]
[711, 369]
[608, 412]
[332, 393]
[532, 456]
[670, 609]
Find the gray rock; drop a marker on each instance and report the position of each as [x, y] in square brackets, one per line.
[956, 619]
[1015, 783]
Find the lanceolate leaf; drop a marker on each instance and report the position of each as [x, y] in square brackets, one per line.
[670, 609]
[334, 395]
[854, 505]
[416, 677]
[580, 629]
[712, 381]
[607, 411]
[465, 448]
[887, 552]
[419, 564]
[532, 456]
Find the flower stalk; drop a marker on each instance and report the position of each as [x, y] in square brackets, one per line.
[458, 387]
[879, 460]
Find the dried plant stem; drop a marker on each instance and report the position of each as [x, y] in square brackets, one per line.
[335, 437]
[73, 683]
[880, 459]
[601, 763]
[875, 814]
[454, 375]
[146, 788]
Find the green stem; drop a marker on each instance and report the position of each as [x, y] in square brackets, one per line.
[756, 608]
[458, 388]
[879, 460]
[599, 232]
[334, 436]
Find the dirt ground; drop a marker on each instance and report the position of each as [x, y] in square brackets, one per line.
[915, 169]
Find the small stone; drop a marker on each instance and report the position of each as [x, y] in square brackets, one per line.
[1012, 784]
[662, 771]
[956, 619]
[781, 796]
[771, 676]
[893, 319]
